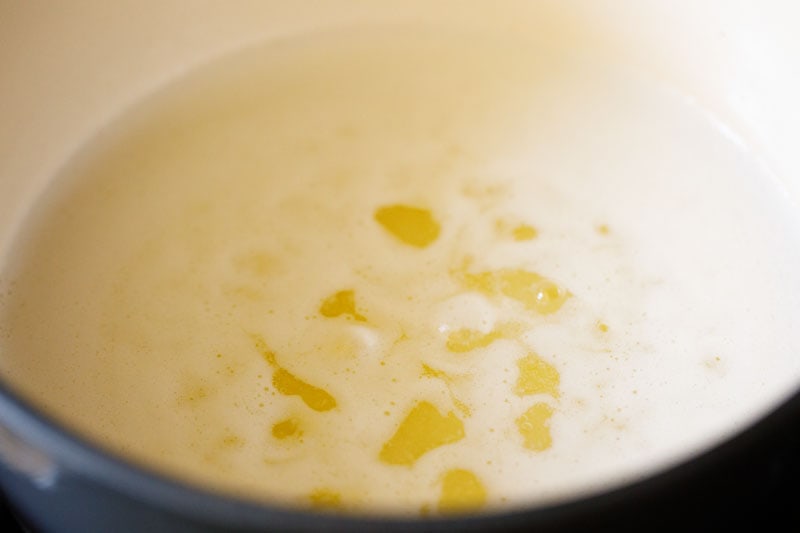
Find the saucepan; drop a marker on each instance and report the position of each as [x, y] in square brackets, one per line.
[70, 69]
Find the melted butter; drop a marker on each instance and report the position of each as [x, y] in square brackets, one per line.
[517, 231]
[325, 499]
[287, 383]
[534, 291]
[411, 225]
[341, 303]
[534, 426]
[465, 340]
[286, 428]
[524, 232]
[536, 376]
[423, 429]
[462, 491]
[246, 201]
[430, 372]
[463, 407]
[314, 397]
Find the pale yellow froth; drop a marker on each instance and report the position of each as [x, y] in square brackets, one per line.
[392, 271]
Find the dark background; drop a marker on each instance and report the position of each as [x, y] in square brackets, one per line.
[7, 522]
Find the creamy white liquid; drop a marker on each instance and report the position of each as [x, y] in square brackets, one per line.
[213, 222]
